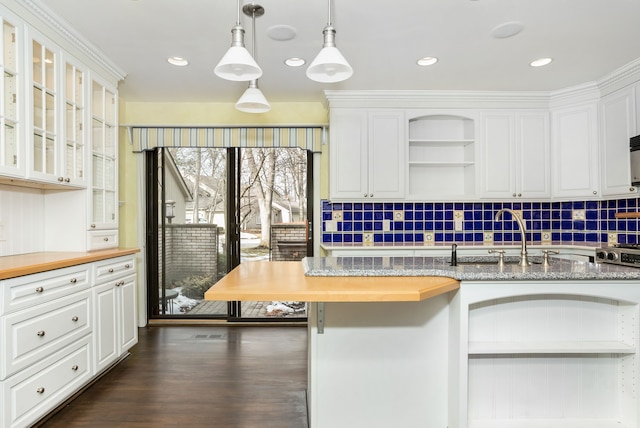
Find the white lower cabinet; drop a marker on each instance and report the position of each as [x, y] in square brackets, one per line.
[57, 332]
[115, 311]
[545, 354]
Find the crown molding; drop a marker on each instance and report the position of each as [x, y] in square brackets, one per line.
[55, 23]
[579, 94]
[436, 99]
[621, 77]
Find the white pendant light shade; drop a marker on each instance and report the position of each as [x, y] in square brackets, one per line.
[238, 64]
[253, 101]
[329, 66]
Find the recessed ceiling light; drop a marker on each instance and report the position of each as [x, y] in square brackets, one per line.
[176, 60]
[427, 60]
[295, 62]
[508, 29]
[540, 62]
[281, 32]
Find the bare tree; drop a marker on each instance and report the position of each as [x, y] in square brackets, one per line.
[262, 168]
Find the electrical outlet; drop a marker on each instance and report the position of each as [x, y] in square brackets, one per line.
[546, 237]
[488, 238]
[336, 215]
[367, 238]
[612, 239]
[398, 215]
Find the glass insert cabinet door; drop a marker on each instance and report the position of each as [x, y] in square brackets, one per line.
[104, 207]
[74, 153]
[11, 153]
[44, 111]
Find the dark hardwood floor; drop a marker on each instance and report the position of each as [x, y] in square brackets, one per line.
[192, 376]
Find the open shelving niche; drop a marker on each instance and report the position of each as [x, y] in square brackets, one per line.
[441, 161]
[566, 358]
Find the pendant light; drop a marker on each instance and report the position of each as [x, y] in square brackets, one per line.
[238, 64]
[329, 66]
[253, 101]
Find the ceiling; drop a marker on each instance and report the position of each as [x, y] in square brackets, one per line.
[381, 39]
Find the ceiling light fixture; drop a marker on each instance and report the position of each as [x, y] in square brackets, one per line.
[329, 66]
[426, 61]
[295, 62]
[176, 60]
[541, 62]
[238, 64]
[253, 101]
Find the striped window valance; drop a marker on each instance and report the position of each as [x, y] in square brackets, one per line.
[147, 138]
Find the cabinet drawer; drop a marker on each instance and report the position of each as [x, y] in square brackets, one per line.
[37, 390]
[114, 268]
[32, 334]
[101, 239]
[31, 290]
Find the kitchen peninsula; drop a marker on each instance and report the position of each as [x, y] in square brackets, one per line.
[413, 341]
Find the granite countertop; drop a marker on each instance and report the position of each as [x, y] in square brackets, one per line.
[469, 269]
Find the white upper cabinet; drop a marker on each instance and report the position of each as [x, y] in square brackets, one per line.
[103, 205]
[515, 155]
[617, 126]
[367, 154]
[442, 156]
[44, 144]
[74, 155]
[574, 171]
[12, 161]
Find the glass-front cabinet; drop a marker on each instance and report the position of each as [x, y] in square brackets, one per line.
[11, 153]
[74, 159]
[104, 203]
[45, 133]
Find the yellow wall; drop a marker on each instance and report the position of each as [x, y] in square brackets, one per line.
[201, 114]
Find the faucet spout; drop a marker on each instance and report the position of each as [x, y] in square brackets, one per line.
[524, 257]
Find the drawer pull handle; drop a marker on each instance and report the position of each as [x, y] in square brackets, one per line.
[39, 289]
[106, 239]
[127, 266]
[110, 270]
[73, 280]
[40, 390]
[74, 367]
[74, 319]
[40, 333]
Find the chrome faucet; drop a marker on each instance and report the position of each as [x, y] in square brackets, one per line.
[524, 257]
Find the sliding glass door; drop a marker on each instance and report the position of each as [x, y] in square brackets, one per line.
[210, 209]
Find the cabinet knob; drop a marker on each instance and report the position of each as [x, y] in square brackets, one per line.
[595, 192]
[40, 333]
[513, 194]
[67, 180]
[119, 283]
[127, 266]
[60, 179]
[110, 270]
[73, 280]
[371, 195]
[74, 367]
[93, 226]
[519, 194]
[632, 189]
[39, 289]
[365, 195]
[106, 239]
[74, 319]
[40, 390]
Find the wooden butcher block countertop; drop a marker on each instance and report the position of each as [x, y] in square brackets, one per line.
[26, 264]
[280, 280]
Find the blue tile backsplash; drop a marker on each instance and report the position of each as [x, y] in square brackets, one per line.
[473, 222]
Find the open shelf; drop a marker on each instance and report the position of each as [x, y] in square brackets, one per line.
[550, 347]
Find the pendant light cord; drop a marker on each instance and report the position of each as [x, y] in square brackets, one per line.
[329, 19]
